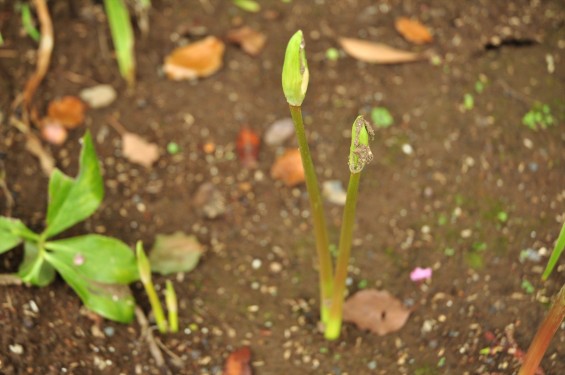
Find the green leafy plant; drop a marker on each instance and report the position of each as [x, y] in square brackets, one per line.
[553, 319]
[539, 116]
[28, 24]
[97, 267]
[295, 77]
[122, 36]
[381, 117]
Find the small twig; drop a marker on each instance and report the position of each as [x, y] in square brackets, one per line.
[208, 7]
[9, 279]
[513, 93]
[148, 335]
[7, 193]
[177, 361]
[116, 125]
[34, 147]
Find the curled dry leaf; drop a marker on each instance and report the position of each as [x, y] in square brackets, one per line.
[238, 362]
[288, 168]
[138, 150]
[413, 31]
[67, 111]
[377, 53]
[247, 147]
[251, 41]
[377, 311]
[196, 60]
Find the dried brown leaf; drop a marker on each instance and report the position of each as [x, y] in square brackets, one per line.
[198, 59]
[250, 40]
[413, 31]
[138, 150]
[377, 311]
[377, 53]
[238, 362]
[288, 168]
[67, 111]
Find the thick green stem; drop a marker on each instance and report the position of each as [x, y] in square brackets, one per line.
[156, 307]
[318, 217]
[544, 335]
[333, 324]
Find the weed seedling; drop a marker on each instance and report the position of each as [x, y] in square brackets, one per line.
[97, 267]
[28, 24]
[172, 307]
[145, 276]
[122, 36]
[295, 76]
[539, 116]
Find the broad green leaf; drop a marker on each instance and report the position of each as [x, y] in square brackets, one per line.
[557, 251]
[112, 301]
[34, 269]
[71, 201]
[96, 257]
[12, 233]
[175, 253]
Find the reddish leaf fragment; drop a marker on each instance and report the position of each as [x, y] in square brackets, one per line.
[377, 311]
[247, 146]
[67, 111]
[288, 168]
[251, 41]
[199, 59]
[413, 31]
[238, 362]
[138, 150]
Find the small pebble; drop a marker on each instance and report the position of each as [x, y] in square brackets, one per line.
[98, 96]
[275, 267]
[334, 192]
[531, 255]
[279, 132]
[256, 264]
[209, 201]
[109, 331]
[372, 365]
[407, 149]
[17, 349]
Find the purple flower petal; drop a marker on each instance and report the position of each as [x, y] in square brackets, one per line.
[419, 274]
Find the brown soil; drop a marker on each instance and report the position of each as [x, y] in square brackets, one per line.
[466, 167]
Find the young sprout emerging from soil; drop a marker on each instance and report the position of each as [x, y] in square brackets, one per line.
[172, 307]
[359, 155]
[123, 38]
[145, 277]
[295, 83]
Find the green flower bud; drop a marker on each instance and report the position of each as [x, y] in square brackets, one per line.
[359, 153]
[295, 70]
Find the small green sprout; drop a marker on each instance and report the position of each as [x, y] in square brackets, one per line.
[1, 40]
[98, 268]
[527, 287]
[145, 277]
[172, 307]
[122, 36]
[555, 254]
[502, 216]
[173, 148]
[539, 116]
[28, 24]
[468, 102]
[295, 73]
[248, 5]
[381, 117]
[332, 54]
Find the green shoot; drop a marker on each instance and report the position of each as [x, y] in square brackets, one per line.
[28, 24]
[557, 251]
[295, 83]
[1, 40]
[381, 117]
[145, 276]
[98, 268]
[247, 5]
[172, 307]
[360, 154]
[539, 116]
[122, 36]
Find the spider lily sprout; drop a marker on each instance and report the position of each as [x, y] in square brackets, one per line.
[295, 73]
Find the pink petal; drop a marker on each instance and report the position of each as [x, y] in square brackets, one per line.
[419, 274]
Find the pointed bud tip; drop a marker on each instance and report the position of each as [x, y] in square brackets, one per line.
[360, 154]
[295, 74]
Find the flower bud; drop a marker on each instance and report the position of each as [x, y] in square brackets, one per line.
[360, 154]
[295, 70]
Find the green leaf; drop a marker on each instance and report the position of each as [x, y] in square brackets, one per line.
[381, 117]
[248, 5]
[34, 269]
[71, 201]
[175, 253]
[12, 233]
[28, 24]
[122, 37]
[96, 257]
[112, 301]
[557, 251]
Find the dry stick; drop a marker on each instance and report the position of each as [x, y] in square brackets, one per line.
[7, 193]
[146, 332]
[544, 335]
[8, 279]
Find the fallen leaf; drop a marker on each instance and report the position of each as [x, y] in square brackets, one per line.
[377, 53]
[238, 362]
[288, 168]
[413, 31]
[247, 147]
[198, 59]
[67, 111]
[98, 96]
[138, 150]
[251, 41]
[176, 252]
[377, 311]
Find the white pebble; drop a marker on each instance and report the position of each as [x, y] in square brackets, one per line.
[98, 96]
[256, 264]
[407, 149]
[16, 349]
